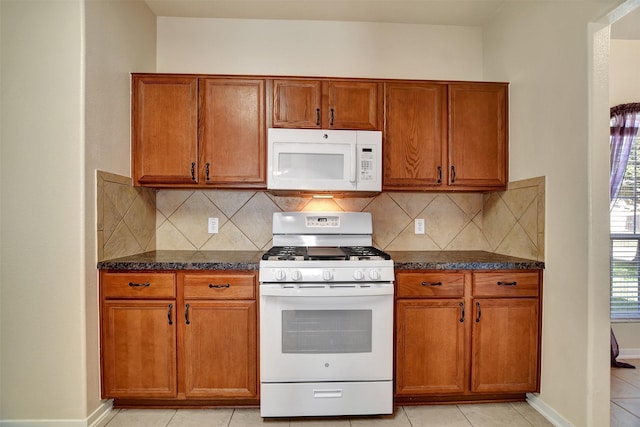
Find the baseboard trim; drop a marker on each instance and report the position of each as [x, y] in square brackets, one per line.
[94, 420]
[547, 411]
[629, 353]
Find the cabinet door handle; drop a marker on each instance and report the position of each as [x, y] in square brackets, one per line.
[317, 117]
[453, 174]
[219, 286]
[514, 283]
[169, 314]
[206, 170]
[462, 314]
[193, 171]
[479, 312]
[333, 116]
[425, 284]
[186, 314]
[133, 285]
[439, 174]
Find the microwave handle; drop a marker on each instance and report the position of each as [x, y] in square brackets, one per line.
[354, 162]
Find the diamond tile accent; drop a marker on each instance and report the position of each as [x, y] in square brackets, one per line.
[192, 216]
[443, 220]
[134, 219]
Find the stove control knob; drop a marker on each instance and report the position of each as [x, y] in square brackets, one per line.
[358, 275]
[374, 275]
[280, 275]
[327, 275]
[296, 275]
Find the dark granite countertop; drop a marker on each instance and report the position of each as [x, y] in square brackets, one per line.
[460, 260]
[249, 260]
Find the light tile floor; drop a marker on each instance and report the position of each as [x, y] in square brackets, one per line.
[469, 415]
[625, 395]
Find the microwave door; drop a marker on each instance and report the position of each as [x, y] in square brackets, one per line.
[311, 166]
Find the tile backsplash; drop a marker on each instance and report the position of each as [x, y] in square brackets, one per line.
[134, 219]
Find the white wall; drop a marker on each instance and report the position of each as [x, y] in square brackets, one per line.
[120, 39]
[624, 64]
[319, 48]
[543, 49]
[42, 190]
[50, 146]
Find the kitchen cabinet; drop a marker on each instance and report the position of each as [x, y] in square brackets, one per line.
[430, 333]
[467, 336]
[179, 336]
[327, 104]
[188, 131]
[138, 335]
[445, 136]
[415, 129]
[220, 335]
[505, 332]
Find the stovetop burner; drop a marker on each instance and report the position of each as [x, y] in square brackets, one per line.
[324, 253]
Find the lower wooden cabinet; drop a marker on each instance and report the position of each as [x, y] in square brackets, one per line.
[179, 337]
[463, 336]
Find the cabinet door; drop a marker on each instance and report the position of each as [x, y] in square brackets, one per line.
[505, 345]
[478, 135]
[220, 349]
[138, 349]
[430, 346]
[352, 105]
[297, 103]
[232, 132]
[164, 130]
[415, 135]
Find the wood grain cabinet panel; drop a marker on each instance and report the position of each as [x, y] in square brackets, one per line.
[164, 133]
[327, 104]
[415, 129]
[478, 136]
[138, 349]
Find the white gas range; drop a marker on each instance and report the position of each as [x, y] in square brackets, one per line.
[326, 318]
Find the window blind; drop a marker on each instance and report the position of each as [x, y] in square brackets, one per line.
[625, 242]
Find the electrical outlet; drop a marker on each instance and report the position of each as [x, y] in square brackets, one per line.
[419, 226]
[213, 225]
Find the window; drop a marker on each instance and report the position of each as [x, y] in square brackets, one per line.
[625, 242]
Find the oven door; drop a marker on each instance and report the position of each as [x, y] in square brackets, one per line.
[326, 332]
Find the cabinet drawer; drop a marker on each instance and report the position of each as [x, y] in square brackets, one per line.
[219, 286]
[138, 285]
[434, 285]
[501, 284]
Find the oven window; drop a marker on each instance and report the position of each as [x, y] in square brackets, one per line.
[326, 331]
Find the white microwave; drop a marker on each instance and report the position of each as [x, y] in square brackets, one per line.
[324, 161]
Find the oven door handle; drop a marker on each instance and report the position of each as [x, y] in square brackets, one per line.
[326, 290]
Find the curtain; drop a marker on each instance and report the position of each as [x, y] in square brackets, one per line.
[625, 121]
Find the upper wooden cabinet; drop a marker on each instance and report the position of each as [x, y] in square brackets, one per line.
[164, 129]
[415, 128]
[445, 136]
[478, 136]
[188, 131]
[327, 104]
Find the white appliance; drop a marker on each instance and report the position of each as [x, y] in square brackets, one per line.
[326, 318]
[315, 160]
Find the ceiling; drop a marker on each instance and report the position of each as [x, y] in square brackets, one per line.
[432, 12]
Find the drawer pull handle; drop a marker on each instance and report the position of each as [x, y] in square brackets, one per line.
[169, 314]
[219, 286]
[134, 285]
[462, 315]
[479, 312]
[514, 283]
[431, 284]
[186, 315]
